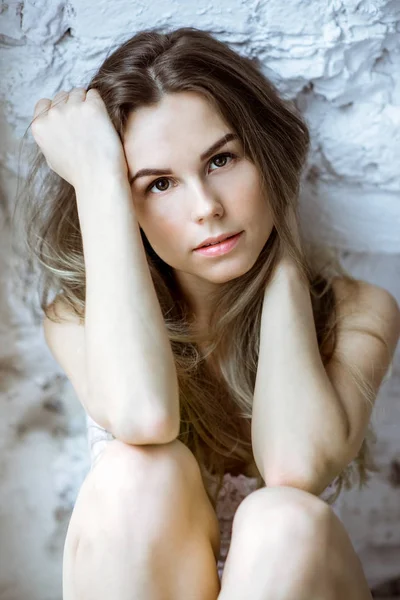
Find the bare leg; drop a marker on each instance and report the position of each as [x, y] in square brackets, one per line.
[288, 544]
[142, 528]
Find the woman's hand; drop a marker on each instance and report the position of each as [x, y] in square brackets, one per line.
[77, 137]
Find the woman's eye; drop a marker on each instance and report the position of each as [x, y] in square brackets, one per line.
[223, 156]
[156, 182]
[217, 157]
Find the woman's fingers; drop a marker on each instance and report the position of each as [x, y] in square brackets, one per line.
[43, 105]
[60, 98]
[77, 94]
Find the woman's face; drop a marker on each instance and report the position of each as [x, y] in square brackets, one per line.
[193, 198]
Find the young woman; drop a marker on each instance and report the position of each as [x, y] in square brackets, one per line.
[251, 358]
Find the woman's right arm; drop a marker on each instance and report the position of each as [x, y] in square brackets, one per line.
[131, 372]
[130, 385]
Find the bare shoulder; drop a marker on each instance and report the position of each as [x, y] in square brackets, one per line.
[65, 338]
[369, 305]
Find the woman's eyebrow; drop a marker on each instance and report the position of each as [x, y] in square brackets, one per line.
[168, 171]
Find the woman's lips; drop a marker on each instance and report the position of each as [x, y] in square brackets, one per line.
[222, 247]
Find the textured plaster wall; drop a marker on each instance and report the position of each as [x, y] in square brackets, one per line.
[340, 62]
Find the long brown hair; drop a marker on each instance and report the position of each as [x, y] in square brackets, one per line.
[215, 413]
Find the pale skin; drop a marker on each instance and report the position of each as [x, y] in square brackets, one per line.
[143, 526]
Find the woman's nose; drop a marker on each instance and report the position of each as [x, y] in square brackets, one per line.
[205, 201]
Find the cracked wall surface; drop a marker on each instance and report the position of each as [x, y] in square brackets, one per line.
[339, 61]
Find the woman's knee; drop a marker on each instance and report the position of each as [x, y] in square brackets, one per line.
[285, 514]
[124, 466]
[302, 541]
[134, 489]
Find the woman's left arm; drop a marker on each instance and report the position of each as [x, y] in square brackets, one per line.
[309, 421]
